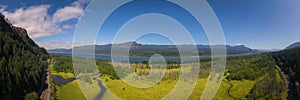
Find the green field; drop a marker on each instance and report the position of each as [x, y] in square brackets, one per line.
[69, 92]
[236, 84]
[72, 89]
[239, 90]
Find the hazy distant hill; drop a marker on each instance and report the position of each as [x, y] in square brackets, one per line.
[294, 45]
[137, 49]
[22, 63]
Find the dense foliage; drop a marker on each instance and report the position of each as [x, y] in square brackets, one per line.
[22, 62]
[31, 96]
[269, 87]
[249, 67]
[106, 69]
[62, 64]
[289, 62]
[261, 69]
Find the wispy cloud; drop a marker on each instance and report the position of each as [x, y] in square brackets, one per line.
[75, 10]
[60, 44]
[37, 21]
[64, 44]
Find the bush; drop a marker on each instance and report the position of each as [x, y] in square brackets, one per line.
[31, 96]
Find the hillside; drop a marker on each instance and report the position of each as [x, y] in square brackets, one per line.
[22, 63]
[294, 45]
[289, 62]
[143, 50]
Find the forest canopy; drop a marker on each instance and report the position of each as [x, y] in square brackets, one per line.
[22, 62]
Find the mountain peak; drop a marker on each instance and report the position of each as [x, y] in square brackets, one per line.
[130, 42]
[240, 45]
[4, 24]
[294, 45]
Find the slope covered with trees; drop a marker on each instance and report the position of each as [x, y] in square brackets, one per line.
[261, 69]
[289, 62]
[22, 63]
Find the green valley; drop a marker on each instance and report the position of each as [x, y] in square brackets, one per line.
[246, 77]
[149, 50]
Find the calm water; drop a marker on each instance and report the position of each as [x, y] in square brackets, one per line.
[116, 58]
[103, 90]
[140, 59]
[60, 80]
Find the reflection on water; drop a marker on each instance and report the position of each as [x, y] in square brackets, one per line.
[141, 59]
[103, 90]
[60, 80]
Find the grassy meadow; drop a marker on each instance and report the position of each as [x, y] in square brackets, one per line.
[236, 84]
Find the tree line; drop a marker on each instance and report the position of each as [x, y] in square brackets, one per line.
[22, 63]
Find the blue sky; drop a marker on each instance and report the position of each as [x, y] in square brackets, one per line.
[260, 24]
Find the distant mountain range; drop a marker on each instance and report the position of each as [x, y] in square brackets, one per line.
[294, 45]
[144, 50]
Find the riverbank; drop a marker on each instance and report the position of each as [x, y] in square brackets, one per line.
[45, 93]
[292, 92]
[67, 87]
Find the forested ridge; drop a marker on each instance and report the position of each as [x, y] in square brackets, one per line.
[289, 62]
[22, 63]
[261, 69]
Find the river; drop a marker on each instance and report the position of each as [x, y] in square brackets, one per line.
[62, 81]
[141, 59]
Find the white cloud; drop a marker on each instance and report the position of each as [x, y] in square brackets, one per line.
[75, 10]
[79, 3]
[67, 27]
[63, 44]
[37, 21]
[54, 45]
[67, 13]
[34, 19]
